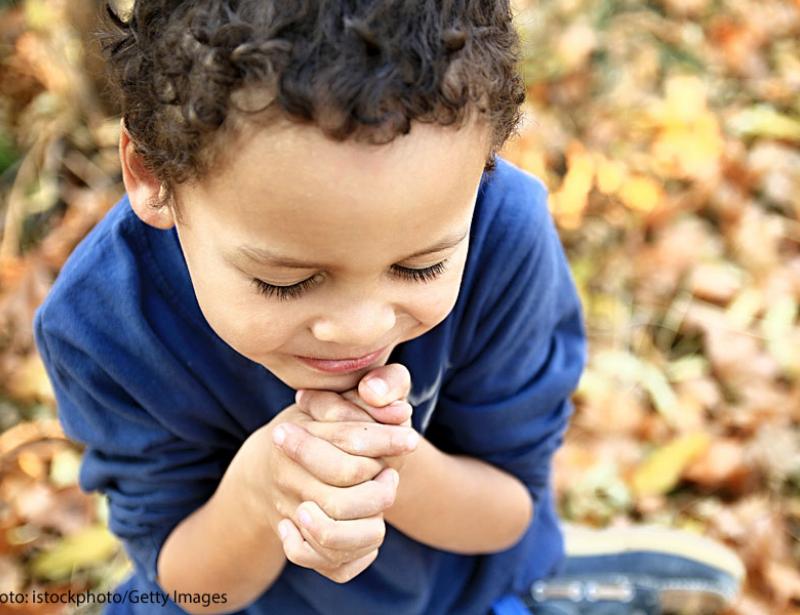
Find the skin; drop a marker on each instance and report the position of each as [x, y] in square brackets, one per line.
[357, 209]
[358, 212]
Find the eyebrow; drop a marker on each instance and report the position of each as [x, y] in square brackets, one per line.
[268, 257]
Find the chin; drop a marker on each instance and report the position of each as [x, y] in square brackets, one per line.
[307, 379]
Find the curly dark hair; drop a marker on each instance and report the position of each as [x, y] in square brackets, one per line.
[360, 69]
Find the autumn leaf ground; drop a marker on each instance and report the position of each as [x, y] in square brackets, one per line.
[667, 133]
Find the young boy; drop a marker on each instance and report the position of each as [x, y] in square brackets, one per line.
[314, 203]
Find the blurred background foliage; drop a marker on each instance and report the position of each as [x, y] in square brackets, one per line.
[668, 134]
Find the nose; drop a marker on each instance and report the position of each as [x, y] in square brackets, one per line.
[363, 324]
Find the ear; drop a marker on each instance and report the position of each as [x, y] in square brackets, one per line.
[141, 185]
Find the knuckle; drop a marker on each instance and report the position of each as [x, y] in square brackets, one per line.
[339, 574]
[283, 508]
[364, 471]
[341, 435]
[325, 537]
[292, 555]
[281, 481]
[334, 414]
[387, 499]
[337, 558]
[332, 507]
[398, 439]
[339, 577]
[297, 445]
[329, 406]
[349, 474]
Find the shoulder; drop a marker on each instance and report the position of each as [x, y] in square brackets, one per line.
[511, 210]
[100, 276]
[511, 228]
[516, 268]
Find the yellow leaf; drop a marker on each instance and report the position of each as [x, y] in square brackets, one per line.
[685, 101]
[91, 546]
[610, 175]
[692, 150]
[662, 470]
[641, 193]
[689, 142]
[764, 121]
[569, 201]
[39, 15]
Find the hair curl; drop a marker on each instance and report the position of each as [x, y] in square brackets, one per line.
[361, 69]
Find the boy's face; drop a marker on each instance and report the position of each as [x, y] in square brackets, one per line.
[355, 217]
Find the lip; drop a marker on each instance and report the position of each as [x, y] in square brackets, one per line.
[341, 366]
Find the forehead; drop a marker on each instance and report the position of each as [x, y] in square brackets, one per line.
[290, 186]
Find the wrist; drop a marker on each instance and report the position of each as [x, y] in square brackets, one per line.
[246, 482]
[420, 460]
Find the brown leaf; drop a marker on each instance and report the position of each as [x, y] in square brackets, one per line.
[25, 433]
[784, 579]
[29, 382]
[723, 464]
[737, 357]
[716, 282]
[616, 410]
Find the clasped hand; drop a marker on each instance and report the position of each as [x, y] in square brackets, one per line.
[335, 469]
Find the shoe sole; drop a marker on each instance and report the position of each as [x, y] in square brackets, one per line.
[679, 596]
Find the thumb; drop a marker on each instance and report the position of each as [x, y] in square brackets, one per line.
[388, 476]
[397, 413]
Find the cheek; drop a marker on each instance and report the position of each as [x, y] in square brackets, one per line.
[241, 317]
[430, 304]
[248, 322]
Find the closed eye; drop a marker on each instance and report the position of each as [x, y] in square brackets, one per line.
[285, 293]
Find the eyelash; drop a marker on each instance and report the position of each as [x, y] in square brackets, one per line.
[295, 290]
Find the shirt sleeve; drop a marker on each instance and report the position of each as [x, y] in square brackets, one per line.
[152, 478]
[522, 349]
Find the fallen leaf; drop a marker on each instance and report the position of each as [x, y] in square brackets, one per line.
[764, 121]
[89, 547]
[662, 469]
[641, 193]
[717, 282]
[29, 383]
[722, 464]
[784, 580]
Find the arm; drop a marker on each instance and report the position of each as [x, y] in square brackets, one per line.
[204, 552]
[442, 502]
[166, 501]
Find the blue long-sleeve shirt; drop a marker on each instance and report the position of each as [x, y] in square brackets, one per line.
[163, 404]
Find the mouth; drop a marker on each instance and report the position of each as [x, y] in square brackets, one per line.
[339, 366]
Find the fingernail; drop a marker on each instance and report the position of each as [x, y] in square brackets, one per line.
[278, 435]
[395, 477]
[283, 531]
[412, 440]
[378, 386]
[304, 517]
[298, 397]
